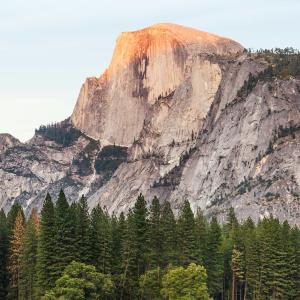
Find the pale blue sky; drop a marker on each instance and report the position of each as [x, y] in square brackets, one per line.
[49, 47]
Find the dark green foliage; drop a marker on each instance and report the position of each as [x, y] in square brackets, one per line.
[147, 254]
[46, 248]
[169, 236]
[140, 244]
[101, 240]
[83, 232]
[3, 255]
[201, 235]
[64, 239]
[62, 133]
[109, 158]
[155, 235]
[28, 257]
[214, 259]
[187, 242]
[118, 227]
[135, 248]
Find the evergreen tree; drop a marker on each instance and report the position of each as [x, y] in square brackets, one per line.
[141, 235]
[28, 256]
[273, 255]
[118, 233]
[252, 263]
[128, 279]
[169, 236]
[3, 255]
[201, 236]
[14, 257]
[95, 236]
[214, 259]
[101, 240]
[187, 243]
[46, 248]
[106, 248]
[83, 231]
[135, 248]
[295, 254]
[64, 235]
[155, 235]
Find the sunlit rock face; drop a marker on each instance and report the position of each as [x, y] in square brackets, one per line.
[148, 65]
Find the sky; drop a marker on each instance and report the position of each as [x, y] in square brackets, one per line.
[49, 47]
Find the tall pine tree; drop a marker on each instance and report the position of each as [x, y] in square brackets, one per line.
[28, 257]
[46, 248]
[187, 242]
[169, 236]
[65, 242]
[214, 259]
[83, 231]
[155, 235]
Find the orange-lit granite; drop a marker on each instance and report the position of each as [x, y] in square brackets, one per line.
[149, 64]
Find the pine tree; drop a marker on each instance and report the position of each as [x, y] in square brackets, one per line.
[118, 233]
[295, 254]
[28, 257]
[169, 236]
[73, 226]
[64, 235]
[187, 243]
[14, 257]
[273, 267]
[95, 236]
[3, 255]
[252, 263]
[106, 248]
[101, 240]
[135, 248]
[141, 235]
[46, 248]
[128, 279]
[201, 236]
[83, 231]
[214, 259]
[155, 235]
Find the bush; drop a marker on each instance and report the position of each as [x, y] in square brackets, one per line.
[79, 282]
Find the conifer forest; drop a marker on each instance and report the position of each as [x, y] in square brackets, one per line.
[69, 252]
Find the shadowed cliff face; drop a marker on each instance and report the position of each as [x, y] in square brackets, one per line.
[147, 65]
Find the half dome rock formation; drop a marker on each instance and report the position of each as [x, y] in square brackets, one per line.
[179, 114]
[149, 65]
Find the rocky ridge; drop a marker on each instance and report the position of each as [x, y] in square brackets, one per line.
[179, 114]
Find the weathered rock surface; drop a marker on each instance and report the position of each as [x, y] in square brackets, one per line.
[169, 117]
[147, 65]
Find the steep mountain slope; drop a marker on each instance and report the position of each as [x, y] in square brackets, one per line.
[180, 114]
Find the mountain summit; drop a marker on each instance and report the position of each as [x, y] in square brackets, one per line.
[179, 114]
[147, 64]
